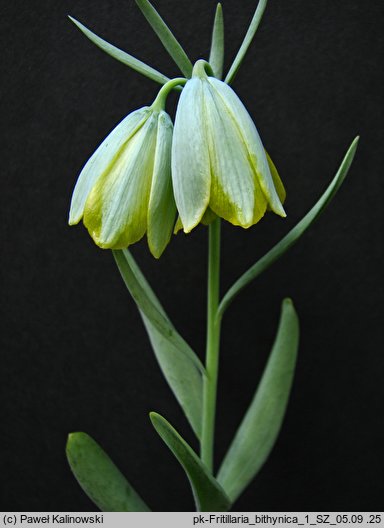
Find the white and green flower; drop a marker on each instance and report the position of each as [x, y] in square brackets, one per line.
[125, 189]
[218, 160]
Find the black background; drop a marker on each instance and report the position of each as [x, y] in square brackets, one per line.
[75, 355]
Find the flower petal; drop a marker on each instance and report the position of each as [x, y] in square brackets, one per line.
[209, 217]
[276, 179]
[178, 226]
[115, 212]
[253, 142]
[190, 160]
[233, 186]
[101, 159]
[162, 207]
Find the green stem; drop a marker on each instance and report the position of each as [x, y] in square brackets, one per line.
[159, 103]
[213, 346]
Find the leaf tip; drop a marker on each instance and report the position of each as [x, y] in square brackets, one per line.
[74, 438]
[72, 19]
[287, 305]
[159, 422]
[78, 24]
[287, 302]
[70, 446]
[353, 147]
[70, 439]
[155, 417]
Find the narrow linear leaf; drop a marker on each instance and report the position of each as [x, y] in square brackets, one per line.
[156, 316]
[184, 379]
[208, 494]
[143, 282]
[258, 431]
[182, 375]
[179, 364]
[121, 56]
[100, 478]
[216, 56]
[166, 37]
[247, 41]
[293, 236]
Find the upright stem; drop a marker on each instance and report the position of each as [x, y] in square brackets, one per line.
[213, 346]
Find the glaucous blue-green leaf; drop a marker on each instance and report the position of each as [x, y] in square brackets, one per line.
[166, 37]
[100, 478]
[258, 431]
[216, 56]
[121, 56]
[247, 41]
[208, 494]
[185, 380]
[179, 364]
[285, 243]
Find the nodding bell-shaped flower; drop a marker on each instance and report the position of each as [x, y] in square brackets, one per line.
[125, 188]
[218, 161]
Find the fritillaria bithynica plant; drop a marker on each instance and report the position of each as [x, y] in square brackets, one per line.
[152, 177]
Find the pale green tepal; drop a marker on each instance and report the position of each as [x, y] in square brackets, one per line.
[218, 160]
[125, 188]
